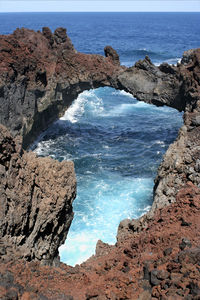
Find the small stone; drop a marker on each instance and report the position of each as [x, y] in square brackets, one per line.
[180, 292]
[167, 251]
[191, 170]
[146, 295]
[126, 269]
[154, 280]
[185, 243]
[176, 277]
[162, 274]
[196, 120]
[146, 272]
[128, 252]
[194, 288]
[184, 223]
[12, 294]
[197, 166]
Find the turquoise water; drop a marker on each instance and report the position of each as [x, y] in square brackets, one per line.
[116, 144]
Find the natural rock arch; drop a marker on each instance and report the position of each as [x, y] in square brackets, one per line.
[42, 73]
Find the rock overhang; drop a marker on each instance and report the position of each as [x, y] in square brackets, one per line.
[42, 73]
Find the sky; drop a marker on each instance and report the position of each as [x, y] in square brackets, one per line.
[99, 5]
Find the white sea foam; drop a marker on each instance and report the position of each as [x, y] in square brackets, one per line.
[77, 109]
[122, 92]
[108, 209]
[144, 210]
[142, 104]
[43, 147]
[125, 108]
[161, 143]
[171, 61]
[81, 245]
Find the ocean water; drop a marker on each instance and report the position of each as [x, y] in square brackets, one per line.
[115, 141]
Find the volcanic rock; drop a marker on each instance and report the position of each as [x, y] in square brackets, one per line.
[36, 196]
[147, 271]
[157, 255]
[41, 74]
[112, 54]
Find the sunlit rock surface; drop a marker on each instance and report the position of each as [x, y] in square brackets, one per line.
[156, 256]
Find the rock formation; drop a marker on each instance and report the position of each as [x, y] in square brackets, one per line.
[42, 73]
[160, 262]
[36, 196]
[156, 256]
[174, 86]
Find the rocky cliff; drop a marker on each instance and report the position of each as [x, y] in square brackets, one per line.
[36, 196]
[156, 256]
[42, 73]
[160, 262]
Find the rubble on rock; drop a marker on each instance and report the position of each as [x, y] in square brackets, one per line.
[160, 262]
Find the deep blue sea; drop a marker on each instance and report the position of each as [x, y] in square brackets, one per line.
[115, 141]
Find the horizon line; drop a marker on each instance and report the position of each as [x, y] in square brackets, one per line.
[7, 12]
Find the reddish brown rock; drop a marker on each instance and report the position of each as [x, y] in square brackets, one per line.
[137, 267]
[112, 54]
[41, 74]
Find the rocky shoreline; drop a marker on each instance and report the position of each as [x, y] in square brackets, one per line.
[156, 256]
[42, 73]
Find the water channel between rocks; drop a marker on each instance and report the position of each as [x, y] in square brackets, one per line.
[116, 143]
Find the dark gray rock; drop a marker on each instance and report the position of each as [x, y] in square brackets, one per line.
[185, 243]
[39, 84]
[154, 278]
[196, 120]
[34, 217]
[167, 251]
[112, 54]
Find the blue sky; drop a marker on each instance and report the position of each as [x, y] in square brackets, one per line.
[98, 5]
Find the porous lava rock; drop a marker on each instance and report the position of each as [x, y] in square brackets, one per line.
[150, 264]
[36, 196]
[112, 54]
[41, 74]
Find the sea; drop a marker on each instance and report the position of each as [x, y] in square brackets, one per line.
[115, 141]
